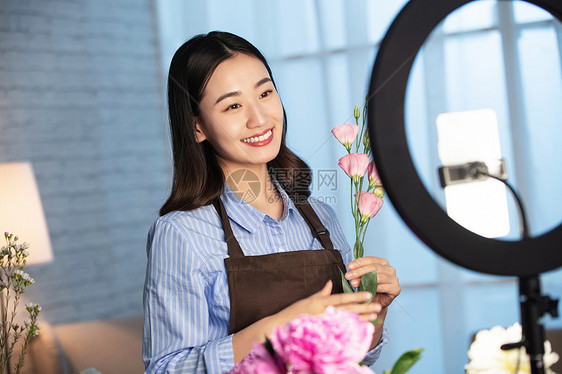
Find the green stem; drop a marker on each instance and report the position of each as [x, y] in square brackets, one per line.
[365, 231]
[28, 336]
[5, 329]
[356, 214]
[15, 338]
[352, 200]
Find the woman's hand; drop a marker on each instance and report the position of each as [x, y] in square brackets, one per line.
[317, 304]
[388, 286]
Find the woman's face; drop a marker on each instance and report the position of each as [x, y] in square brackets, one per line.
[241, 113]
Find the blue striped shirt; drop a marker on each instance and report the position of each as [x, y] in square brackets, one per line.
[186, 298]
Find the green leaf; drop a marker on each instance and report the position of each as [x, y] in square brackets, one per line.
[369, 283]
[376, 322]
[358, 249]
[345, 284]
[406, 361]
[269, 347]
[387, 371]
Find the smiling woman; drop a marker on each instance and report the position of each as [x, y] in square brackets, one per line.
[226, 264]
[229, 111]
[245, 125]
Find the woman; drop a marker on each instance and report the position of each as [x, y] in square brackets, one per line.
[239, 248]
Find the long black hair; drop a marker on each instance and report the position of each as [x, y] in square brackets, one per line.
[198, 176]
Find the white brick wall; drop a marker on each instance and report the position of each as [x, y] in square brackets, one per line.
[80, 97]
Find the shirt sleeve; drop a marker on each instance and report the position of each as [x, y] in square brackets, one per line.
[373, 355]
[178, 337]
[328, 216]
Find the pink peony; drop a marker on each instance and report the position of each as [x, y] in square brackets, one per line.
[259, 361]
[346, 134]
[357, 369]
[355, 165]
[369, 205]
[331, 343]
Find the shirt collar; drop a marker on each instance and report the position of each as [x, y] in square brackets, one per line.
[246, 215]
[288, 204]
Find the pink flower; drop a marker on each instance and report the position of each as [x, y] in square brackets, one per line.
[369, 205]
[357, 369]
[346, 134]
[259, 361]
[331, 343]
[355, 165]
[375, 181]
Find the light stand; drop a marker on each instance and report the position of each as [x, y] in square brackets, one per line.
[533, 304]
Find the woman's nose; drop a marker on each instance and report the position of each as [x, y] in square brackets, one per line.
[256, 116]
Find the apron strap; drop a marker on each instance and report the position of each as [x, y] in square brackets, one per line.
[234, 249]
[306, 210]
[315, 224]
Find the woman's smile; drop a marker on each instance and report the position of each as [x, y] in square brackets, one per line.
[259, 140]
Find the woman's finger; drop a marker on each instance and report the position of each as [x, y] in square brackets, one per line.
[347, 298]
[359, 272]
[379, 268]
[362, 308]
[326, 290]
[365, 261]
[367, 312]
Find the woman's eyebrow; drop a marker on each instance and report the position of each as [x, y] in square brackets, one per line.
[263, 81]
[226, 95]
[237, 93]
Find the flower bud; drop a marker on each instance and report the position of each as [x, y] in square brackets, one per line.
[366, 142]
[356, 112]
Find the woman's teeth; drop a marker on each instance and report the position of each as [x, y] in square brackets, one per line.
[258, 138]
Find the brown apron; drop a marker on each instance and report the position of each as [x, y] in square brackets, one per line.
[264, 285]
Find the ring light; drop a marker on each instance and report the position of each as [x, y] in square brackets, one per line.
[405, 189]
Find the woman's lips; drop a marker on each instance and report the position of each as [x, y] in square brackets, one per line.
[259, 140]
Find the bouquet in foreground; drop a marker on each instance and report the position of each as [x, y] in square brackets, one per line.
[334, 342]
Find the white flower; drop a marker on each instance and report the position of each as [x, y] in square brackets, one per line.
[90, 371]
[486, 357]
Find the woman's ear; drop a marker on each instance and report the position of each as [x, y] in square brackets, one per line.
[199, 134]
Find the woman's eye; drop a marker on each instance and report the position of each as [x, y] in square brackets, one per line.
[233, 106]
[266, 93]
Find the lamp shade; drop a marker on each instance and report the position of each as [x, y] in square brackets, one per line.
[21, 211]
